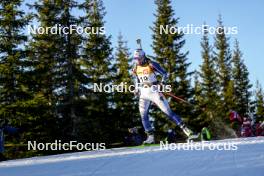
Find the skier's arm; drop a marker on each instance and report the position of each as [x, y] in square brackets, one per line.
[135, 80]
[160, 70]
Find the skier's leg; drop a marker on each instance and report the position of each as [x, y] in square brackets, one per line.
[160, 100]
[163, 104]
[144, 106]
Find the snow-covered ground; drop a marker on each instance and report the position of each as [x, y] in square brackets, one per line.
[247, 160]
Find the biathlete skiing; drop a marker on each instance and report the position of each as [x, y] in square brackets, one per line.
[145, 71]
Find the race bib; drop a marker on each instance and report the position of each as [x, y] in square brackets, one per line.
[145, 74]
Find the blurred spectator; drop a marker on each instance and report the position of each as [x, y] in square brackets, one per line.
[246, 129]
[133, 138]
[260, 129]
[234, 116]
[5, 128]
[262, 125]
[236, 122]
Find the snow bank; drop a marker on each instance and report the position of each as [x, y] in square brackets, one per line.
[247, 159]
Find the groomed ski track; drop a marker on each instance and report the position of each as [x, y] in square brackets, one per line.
[247, 160]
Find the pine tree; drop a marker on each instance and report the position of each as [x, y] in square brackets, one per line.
[259, 102]
[230, 98]
[222, 55]
[19, 102]
[45, 59]
[210, 104]
[97, 66]
[125, 101]
[198, 101]
[71, 106]
[209, 99]
[56, 63]
[241, 82]
[14, 93]
[167, 48]
[123, 61]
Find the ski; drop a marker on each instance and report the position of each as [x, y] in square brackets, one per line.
[193, 137]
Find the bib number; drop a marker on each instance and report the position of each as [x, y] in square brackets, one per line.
[143, 78]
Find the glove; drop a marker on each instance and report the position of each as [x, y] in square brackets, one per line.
[164, 79]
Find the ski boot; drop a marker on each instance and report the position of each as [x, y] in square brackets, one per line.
[189, 133]
[150, 139]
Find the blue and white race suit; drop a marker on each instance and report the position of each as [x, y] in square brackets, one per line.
[145, 75]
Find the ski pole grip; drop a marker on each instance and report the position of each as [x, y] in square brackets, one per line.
[139, 43]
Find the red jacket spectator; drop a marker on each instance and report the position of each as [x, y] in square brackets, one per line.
[234, 116]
